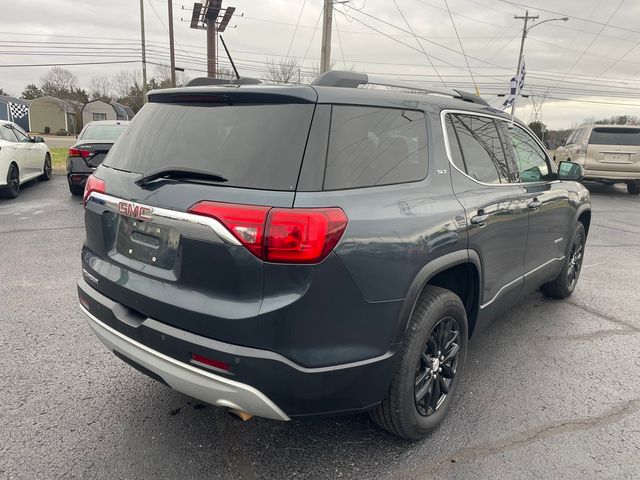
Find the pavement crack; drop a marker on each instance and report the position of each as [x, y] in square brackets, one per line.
[616, 228]
[23, 230]
[606, 317]
[469, 454]
[586, 337]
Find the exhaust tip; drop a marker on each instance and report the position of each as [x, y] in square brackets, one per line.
[239, 415]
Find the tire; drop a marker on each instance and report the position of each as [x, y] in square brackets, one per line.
[401, 413]
[565, 283]
[12, 189]
[47, 171]
[76, 190]
[634, 187]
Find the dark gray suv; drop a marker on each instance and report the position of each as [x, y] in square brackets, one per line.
[284, 251]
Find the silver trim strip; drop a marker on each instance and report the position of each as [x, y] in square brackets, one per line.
[185, 378]
[112, 204]
[507, 285]
[447, 146]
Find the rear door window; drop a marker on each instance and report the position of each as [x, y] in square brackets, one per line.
[615, 136]
[252, 146]
[371, 146]
[480, 149]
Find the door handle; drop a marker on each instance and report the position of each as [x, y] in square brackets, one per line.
[535, 204]
[479, 220]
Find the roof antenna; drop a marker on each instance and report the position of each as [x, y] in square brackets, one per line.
[230, 59]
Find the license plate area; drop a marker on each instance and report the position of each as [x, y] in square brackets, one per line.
[616, 158]
[147, 242]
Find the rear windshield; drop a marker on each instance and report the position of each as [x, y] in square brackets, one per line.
[108, 132]
[615, 136]
[252, 146]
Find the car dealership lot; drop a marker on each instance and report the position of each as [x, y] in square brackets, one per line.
[550, 390]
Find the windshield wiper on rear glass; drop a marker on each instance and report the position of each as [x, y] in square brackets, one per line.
[179, 173]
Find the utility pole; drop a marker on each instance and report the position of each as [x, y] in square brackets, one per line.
[526, 19]
[172, 52]
[325, 54]
[144, 54]
[211, 47]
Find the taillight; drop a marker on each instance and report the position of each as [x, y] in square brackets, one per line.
[246, 222]
[94, 184]
[78, 152]
[281, 235]
[304, 235]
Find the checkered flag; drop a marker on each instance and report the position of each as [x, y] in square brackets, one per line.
[517, 84]
[18, 110]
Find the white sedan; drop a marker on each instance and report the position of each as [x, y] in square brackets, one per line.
[22, 158]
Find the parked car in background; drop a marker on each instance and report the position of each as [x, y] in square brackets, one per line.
[608, 153]
[93, 144]
[301, 250]
[22, 158]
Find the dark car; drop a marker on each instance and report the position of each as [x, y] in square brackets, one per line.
[285, 251]
[92, 145]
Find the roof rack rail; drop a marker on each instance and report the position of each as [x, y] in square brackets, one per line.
[339, 78]
[203, 81]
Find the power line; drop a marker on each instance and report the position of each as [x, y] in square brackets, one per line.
[582, 19]
[295, 29]
[313, 35]
[66, 64]
[462, 48]
[340, 43]
[418, 42]
[590, 44]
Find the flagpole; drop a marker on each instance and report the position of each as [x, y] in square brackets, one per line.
[519, 82]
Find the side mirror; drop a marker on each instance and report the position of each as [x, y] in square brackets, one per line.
[37, 139]
[570, 171]
[563, 142]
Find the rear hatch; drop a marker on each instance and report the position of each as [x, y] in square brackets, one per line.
[614, 149]
[151, 246]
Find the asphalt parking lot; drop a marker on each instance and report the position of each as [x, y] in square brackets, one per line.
[550, 391]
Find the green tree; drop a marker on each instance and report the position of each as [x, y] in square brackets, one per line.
[30, 92]
[2, 92]
[538, 128]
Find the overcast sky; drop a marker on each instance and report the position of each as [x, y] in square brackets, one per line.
[587, 67]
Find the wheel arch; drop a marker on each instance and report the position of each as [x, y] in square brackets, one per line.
[460, 272]
[584, 217]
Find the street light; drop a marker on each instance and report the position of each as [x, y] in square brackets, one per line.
[525, 31]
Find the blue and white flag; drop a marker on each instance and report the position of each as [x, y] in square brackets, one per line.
[18, 110]
[517, 84]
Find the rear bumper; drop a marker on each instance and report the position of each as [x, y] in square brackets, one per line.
[260, 382]
[611, 175]
[185, 378]
[77, 171]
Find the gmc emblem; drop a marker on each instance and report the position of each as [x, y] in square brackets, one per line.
[133, 210]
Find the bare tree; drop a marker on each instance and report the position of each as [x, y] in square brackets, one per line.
[101, 87]
[59, 82]
[285, 70]
[225, 72]
[163, 77]
[126, 81]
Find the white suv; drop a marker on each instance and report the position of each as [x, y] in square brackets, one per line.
[608, 153]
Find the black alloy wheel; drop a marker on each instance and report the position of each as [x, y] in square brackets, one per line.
[565, 283]
[47, 170]
[12, 189]
[575, 261]
[437, 366]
